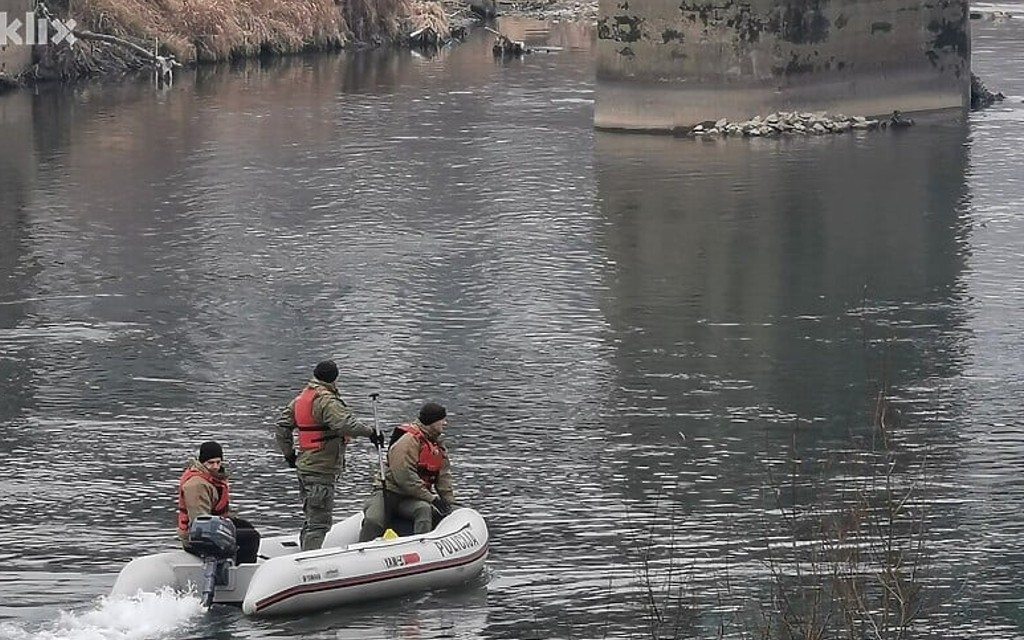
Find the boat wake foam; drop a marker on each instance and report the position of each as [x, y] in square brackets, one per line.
[141, 617]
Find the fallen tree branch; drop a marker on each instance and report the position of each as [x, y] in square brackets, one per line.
[163, 61]
[162, 64]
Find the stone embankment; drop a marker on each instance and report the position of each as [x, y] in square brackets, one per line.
[785, 123]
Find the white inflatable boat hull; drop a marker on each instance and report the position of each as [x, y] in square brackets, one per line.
[183, 571]
[287, 580]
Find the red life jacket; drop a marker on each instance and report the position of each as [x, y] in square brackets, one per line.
[431, 458]
[311, 433]
[219, 508]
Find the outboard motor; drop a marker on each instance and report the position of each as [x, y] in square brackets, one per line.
[212, 538]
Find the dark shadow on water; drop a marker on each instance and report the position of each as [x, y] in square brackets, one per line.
[17, 183]
[754, 281]
[761, 285]
[751, 265]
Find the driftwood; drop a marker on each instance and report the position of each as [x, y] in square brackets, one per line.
[505, 46]
[427, 38]
[162, 65]
[142, 51]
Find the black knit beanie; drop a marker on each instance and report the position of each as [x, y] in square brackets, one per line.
[431, 413]
[210, 450]
[326, 371]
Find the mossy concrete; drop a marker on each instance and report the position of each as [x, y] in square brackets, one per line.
[665, 64]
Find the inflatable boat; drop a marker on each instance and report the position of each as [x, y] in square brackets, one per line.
[285, 580]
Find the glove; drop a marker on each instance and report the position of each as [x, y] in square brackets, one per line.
[290, 460]
[442, 507]
[377, 438]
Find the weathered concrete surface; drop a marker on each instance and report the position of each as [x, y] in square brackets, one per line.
[15, 58]
[665, 64]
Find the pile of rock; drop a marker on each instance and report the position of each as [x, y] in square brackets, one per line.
[981, 97]
[796, 123]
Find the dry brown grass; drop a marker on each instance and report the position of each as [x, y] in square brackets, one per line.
[210, 30]
[369, 19]
[427, 13]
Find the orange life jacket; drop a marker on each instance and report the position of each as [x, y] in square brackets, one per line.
[431, 458]
[219, 508]
[311, 433]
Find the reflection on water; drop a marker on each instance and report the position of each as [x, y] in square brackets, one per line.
[736, 256]
[759, 287]
[17, 172]
[626, 330]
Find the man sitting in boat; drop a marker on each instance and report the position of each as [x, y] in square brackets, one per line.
[417, 484]
[204, 490]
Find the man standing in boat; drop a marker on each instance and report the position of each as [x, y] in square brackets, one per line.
[325, 425]
[203, 490]
[418, 479]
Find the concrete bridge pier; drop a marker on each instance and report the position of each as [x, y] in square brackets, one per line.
[668, 64]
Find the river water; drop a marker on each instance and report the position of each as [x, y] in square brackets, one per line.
[629, 332]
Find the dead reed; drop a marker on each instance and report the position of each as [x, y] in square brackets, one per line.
[214, 30]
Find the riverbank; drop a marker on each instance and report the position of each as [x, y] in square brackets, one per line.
[116, 37]
[184, 32]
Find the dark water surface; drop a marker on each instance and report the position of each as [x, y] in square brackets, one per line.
[627, 331]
